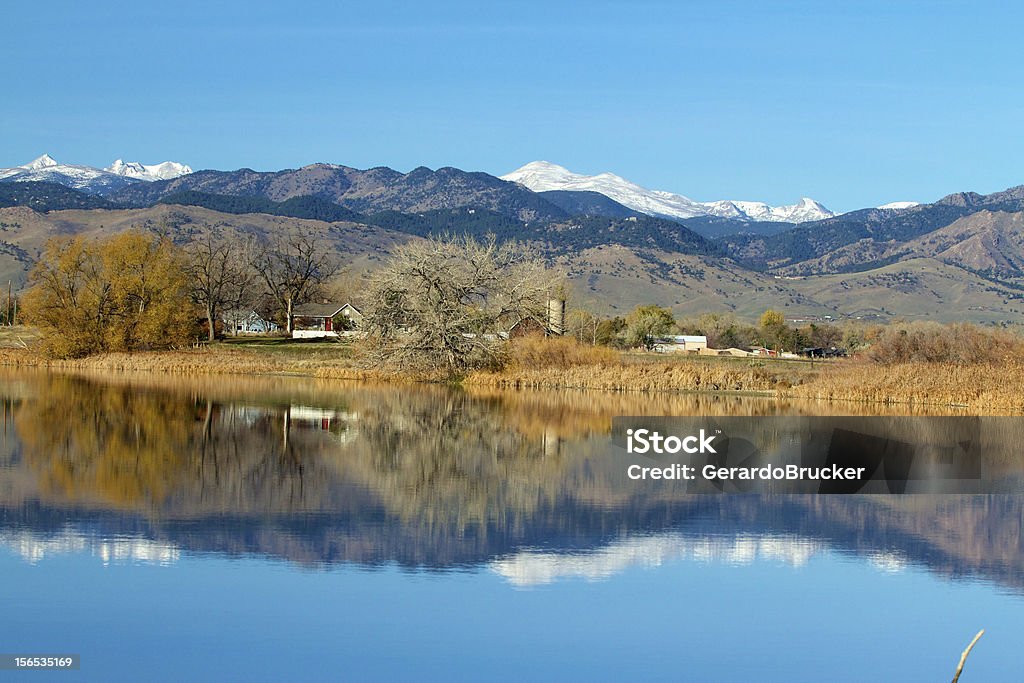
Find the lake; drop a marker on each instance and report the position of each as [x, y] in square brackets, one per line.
[275, 528]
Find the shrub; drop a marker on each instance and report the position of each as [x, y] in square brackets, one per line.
[536, 352]
[959, 344]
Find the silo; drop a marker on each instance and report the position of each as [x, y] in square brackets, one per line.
[556, 317]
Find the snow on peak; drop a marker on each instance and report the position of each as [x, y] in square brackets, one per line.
[91, 179]
[899, 205]
[162, 171]
[45, 161]
[542, 176]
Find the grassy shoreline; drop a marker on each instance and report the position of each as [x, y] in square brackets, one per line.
[985, 388]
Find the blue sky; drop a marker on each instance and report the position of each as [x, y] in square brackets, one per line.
[852, 103]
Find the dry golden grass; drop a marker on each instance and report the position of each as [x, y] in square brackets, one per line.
[564, 363]
[686, 375]
[197, 361]
[984, 388]
[538, 352]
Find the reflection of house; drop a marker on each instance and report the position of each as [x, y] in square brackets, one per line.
[242, 321]
[313, 417]
[324, 320]
[681, 343]
[341, 424]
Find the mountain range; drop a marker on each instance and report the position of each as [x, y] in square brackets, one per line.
[958, 258]
[90, 179]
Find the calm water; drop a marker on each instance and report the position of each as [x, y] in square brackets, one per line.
[283, 529]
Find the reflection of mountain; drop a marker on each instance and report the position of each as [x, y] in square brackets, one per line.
[34, 547]
[527, 484]
[532, 567]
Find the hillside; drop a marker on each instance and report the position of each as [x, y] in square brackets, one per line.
[915, 289]
[43, 196]
[305, 206]
[23, 232]
[864, 239]
[587, 203]
[987, 243]
[616, 279]
[990, 243]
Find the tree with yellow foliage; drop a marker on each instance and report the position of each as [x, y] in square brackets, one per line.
[124, 293]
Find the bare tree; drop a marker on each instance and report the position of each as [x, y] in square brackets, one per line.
[443, 304]
[294, 266]
[219, 276]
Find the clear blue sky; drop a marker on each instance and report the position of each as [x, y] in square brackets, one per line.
[852, 103]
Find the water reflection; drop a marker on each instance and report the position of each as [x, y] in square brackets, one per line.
[526, 484]
[33, 547]
[531, 567]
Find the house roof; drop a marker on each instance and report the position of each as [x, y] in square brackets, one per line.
[237, 313]
[358, 312]
[318, 310]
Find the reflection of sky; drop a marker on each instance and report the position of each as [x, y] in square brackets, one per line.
[214, 618]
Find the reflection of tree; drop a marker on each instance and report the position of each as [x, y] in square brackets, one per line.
[148, 449]
[442, 457]
[89, 441]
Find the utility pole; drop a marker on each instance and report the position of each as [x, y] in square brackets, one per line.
[7, 311]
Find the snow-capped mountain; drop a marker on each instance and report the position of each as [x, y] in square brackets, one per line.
[805, 210]
[163, 171]
[899, 205]
[45, 161]
[90, 179]
[542, 176]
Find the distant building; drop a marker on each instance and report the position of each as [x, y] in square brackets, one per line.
[247, 321]
[324, 320]
[681, 343]
[527, 327]
[555, 326]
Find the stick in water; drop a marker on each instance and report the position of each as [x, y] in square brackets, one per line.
[963, 657]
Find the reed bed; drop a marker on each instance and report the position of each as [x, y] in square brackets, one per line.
[984, 388]
[655, 376]
[564, 363]
[186, 362]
